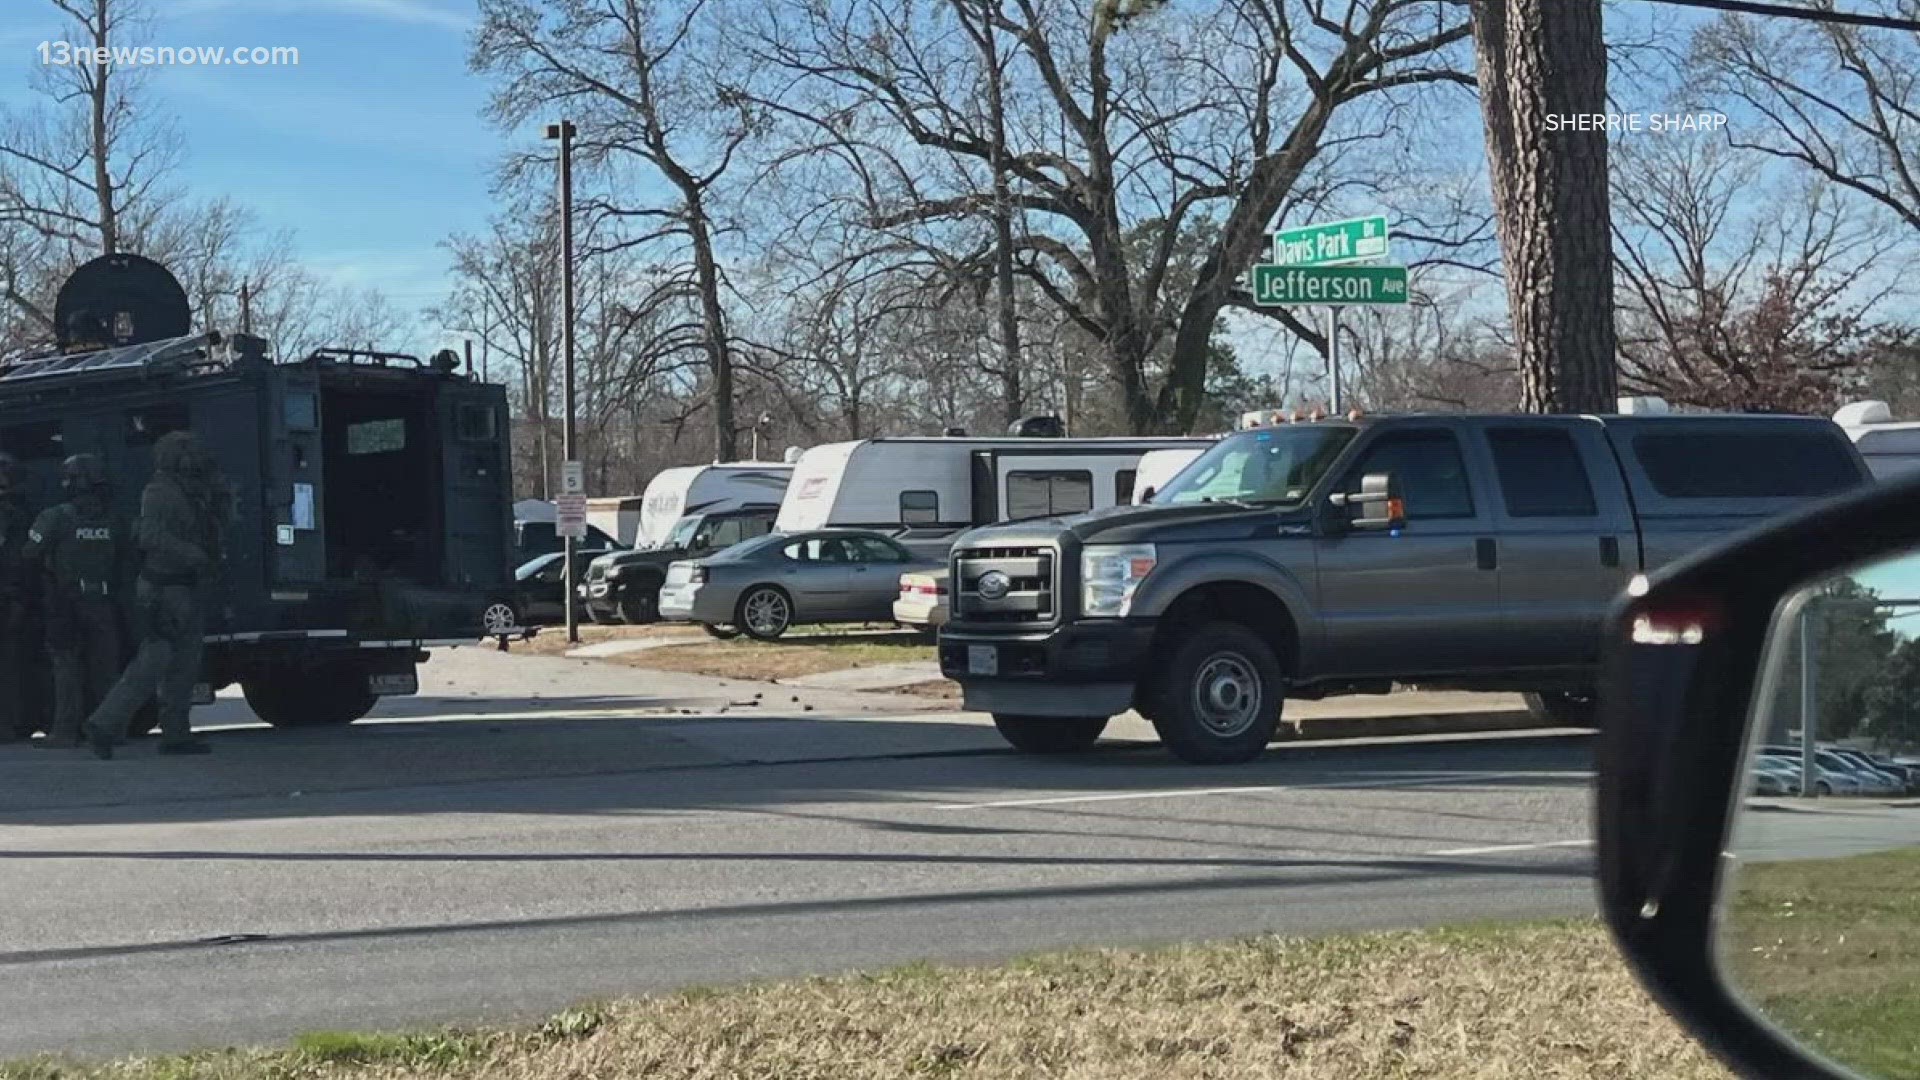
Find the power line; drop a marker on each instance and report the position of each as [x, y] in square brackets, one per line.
[1786, 11]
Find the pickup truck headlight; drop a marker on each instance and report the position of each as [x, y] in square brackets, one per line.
[615, 573]
[1109, 576]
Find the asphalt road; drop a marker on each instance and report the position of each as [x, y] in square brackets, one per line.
[162, 905]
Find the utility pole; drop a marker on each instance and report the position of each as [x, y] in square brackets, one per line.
[1333, 358]
[564, 132]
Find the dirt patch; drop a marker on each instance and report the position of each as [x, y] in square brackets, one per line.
[772, 661]
[552, 640]
[1512, 1002]
[938, 689]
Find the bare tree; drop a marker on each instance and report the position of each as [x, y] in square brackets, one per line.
[1117, 126]
[1543, 61]
[1842, 102]
[81, 172]
[1739, 293]
[629, 71]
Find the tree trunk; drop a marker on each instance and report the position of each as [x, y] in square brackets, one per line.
[1541, 59]
[102, 143]
[714, 329]
[1012, 393]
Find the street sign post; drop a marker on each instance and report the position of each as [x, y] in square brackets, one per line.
[570, 517]
[1358, 240]
[1329, 286]
[1311, 265]
[571, 505]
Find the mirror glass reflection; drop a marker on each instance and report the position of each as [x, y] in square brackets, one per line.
[1819, 926]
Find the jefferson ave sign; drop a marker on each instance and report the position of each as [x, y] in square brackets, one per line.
[1360, 240]
[1329, 286]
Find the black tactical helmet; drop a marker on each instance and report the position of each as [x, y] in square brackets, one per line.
[83, 473]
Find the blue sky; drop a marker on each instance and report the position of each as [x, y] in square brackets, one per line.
[372, 150]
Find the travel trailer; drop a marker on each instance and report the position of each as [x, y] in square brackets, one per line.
[704, 489]
[926, 491]
[1159, 466]
[1891, 447]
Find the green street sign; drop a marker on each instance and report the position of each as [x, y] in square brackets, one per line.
[1328, 286]
[1335, 242]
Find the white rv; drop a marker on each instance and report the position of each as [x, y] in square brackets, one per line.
[1891, 447]
[929, 490]
[1159, 466]
[700, 489]
[618, 516]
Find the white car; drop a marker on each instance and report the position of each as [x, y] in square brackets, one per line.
[922, 603]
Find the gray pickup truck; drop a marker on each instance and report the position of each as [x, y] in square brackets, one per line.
[1306, 560]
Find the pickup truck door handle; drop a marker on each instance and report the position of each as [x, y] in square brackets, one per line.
[1486, 553]
[1609, 551]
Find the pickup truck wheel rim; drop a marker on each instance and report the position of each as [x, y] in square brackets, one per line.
[766, 612]
[1226, 695]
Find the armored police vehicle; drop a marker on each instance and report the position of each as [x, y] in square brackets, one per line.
[372, 504]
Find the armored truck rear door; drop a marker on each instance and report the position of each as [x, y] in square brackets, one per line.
[477, 492]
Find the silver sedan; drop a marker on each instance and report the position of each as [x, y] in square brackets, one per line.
[762, 587]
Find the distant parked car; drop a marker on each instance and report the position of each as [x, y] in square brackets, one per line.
[922, 603]
[540, 586]
[766, 586]
[1895, 773]
[1771, 776]
[1826, 779]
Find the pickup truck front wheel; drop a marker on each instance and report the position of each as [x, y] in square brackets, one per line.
[1219, 697]
[1049, 734]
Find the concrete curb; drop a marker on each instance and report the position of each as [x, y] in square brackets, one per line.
[1372, 727]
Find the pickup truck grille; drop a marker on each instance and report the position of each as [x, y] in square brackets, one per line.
[1032, 587]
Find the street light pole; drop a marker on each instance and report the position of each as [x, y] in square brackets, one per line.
[564, 132]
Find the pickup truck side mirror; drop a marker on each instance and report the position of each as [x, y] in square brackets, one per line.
[1376, 506]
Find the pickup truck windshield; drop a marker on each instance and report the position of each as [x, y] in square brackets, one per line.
[683, 530]
[1272, 465]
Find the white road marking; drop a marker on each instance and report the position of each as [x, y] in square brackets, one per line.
[1117, 796]
[1176, 793]
[1501, 849]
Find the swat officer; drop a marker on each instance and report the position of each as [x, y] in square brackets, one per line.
[15, 597]
[83, 549]
[180, 534]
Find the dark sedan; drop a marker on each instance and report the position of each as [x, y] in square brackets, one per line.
[539, 586]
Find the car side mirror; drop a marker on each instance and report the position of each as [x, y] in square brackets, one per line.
[1375, 507]
[1759, 705]
[1147, 495]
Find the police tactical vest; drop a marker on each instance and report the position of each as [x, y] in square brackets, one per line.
[84, 547]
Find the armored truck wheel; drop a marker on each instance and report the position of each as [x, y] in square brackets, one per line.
[1567, 708]
[1049, 734]
[315, 697]
[1220, 696]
